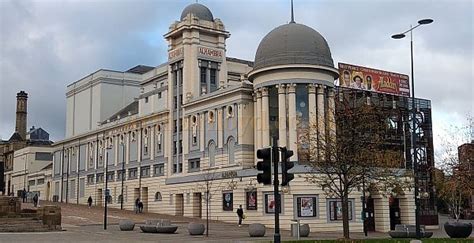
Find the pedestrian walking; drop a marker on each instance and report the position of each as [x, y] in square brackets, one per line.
[240, 214]
[140, 207]
[136, 205]
[35, 200]
[89, 201]
[23, 195]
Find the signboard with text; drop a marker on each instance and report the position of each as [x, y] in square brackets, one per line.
[369, 79]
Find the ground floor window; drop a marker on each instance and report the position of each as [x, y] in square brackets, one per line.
[159, 170]
[306, 206]
[270, 203]
[251, 200]
[335, 209]
[228, 201]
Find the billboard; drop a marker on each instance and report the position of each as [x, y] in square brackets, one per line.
[365, 78]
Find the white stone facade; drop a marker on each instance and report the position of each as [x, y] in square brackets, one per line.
[198, 118]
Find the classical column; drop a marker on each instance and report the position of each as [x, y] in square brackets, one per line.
[282, 115]
[292, 141]
[259, 119]
[331, 119]
[312, 117]
[265, 118]
[321, 120]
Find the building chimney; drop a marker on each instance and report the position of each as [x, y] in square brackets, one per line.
[21, 101]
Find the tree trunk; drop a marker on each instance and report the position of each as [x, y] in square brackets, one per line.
[345, 216]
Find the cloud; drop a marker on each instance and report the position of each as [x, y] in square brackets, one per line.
[46, 45]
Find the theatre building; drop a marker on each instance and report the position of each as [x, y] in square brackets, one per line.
[167, 131]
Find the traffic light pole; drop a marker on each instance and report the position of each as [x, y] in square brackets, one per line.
[275, 158]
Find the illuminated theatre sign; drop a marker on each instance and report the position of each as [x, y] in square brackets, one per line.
[365, 78]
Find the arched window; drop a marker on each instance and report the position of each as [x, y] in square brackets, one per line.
[158, 196]
[212, 153]
[231, 149]
[120, 198]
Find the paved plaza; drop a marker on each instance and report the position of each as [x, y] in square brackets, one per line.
[83, 224]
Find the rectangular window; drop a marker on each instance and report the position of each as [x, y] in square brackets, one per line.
[203, 75]
[119, 175]
[43, 156]
[146, 99]
[251, 200]
[174, 147]
[145, 171]
[90, 179]
[335, 210]
[180, 146]
[213, 77]
[306, 206]
[175, 103]
[31, 183]
[159, 95]
[194, 165]
[100, 178]
[159, 170]
[228, 201]
[270, 203]
[132, 173]
[110, 176]
[175, 126]
[40, 182]
[181, 99]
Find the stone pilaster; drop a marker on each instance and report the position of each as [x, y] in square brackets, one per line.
[321, 120]
[265, 118]
[259, 119]
[282, 115]
[331, 119]
[202, 139]
[292, 123]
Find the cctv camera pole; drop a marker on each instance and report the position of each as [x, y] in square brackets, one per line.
[275, 158]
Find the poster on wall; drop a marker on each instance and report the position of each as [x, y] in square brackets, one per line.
[251, 200]
[357, 77]
[270, 203]
[306, 206]
[228, 201]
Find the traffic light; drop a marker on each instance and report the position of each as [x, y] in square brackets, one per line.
[265, 166]
[286, 166]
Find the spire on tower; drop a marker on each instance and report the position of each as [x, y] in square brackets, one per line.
[292, 14]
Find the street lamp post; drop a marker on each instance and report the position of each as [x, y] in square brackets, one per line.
[123, 173]
[106, 185]
[413, 114]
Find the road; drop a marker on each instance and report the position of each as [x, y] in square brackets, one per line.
[83, 224]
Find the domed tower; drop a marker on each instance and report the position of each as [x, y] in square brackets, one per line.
[197, 67]
[293, 80]
[196, 47]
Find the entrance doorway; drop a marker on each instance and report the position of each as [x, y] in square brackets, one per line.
[394, 204]
[179, 205]
[99, 197]
[197, 205]
[144, 199]
[369, 214]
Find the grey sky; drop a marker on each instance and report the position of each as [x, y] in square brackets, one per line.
[45, 45]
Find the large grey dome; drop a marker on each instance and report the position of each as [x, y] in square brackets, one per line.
[293, 44]
[198, 10]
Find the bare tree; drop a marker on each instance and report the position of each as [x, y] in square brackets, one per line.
[355, 151]
[208, 185]
[456, 184]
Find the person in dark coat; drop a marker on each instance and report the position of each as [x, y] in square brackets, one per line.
[89, 201]
[137, 201]
[140, 207]
[35, 200]
[240, 214]
[23, 195]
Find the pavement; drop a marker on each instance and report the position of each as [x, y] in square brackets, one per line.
[83, 224]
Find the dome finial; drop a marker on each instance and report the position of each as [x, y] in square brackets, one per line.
[292, 14]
